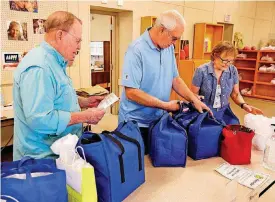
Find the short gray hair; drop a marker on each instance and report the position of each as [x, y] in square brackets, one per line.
[170, 19]
[62, 20]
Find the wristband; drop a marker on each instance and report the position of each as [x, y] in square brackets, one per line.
[242, 104]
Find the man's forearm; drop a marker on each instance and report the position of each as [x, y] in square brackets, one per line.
[181, 88]
[77, 117]
[143, 98]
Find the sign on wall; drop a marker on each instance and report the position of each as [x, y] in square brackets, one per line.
[11, 60]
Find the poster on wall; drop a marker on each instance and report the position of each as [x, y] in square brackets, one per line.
[25, 6]
[10, 60]
[38, 26]
[17, 30]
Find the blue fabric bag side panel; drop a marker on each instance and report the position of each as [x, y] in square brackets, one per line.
[32, 189]
[95, 155]
[204, 137]
[168, 143]
[133, 177]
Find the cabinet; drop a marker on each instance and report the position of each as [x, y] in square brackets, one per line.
[187, 69]
[147, 21]
[263, 86]
[206, 36]
[251, 78]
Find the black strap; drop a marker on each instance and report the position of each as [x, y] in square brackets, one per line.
[122, 136]
[118, 143]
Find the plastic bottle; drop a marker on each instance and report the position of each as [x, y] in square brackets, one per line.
[269, 153]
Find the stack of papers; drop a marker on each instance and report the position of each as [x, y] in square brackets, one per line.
[244, 176]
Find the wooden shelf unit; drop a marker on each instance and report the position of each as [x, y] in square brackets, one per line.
[251, 76]
[213, 33]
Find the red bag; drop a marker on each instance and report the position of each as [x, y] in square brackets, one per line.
[236, 144]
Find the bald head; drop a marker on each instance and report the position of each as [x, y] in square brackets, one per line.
[171, 20]
[60, 20]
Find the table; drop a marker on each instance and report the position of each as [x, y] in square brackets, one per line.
[6, 126]
[197, 182]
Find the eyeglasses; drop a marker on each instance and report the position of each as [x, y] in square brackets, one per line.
[173, 38]
[226, 61]
[78, 40]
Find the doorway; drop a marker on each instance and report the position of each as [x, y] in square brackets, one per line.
[103, 40]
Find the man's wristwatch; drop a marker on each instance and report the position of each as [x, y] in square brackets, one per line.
[242, 104]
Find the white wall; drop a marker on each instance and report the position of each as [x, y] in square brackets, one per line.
[254, 19]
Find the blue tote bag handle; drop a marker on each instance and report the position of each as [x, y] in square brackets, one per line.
[120, 157]
[24, 160]
[134, 141]
[9, 198]
[122, 124]
[206, 115]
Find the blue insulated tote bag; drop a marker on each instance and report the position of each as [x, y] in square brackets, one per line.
[41, 182]
[204, 137]
[226, 115]
[118, 160]
[168, 143]
[186, 115]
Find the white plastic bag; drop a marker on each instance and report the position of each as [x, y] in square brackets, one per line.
[262, 127]
[70, 161]
[64, 147]
[74, 170]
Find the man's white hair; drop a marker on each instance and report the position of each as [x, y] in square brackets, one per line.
[170, 19]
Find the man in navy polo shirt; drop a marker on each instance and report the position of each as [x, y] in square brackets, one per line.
[150, 72]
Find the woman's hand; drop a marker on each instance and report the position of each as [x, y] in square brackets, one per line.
[252, 110]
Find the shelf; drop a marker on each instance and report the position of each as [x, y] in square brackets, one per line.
[264, 97]
[248, 51]
[266, 72]
[246, 81]
[246, 59]
[265, 83]
[267, 62]
[267, 51]
[246, 68]
[247, 95]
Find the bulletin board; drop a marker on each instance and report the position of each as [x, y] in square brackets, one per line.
[45, 8]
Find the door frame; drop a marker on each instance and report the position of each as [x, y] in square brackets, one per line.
[115, 54]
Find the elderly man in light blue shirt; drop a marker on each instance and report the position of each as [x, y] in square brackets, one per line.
[150, 72]
[45, 103]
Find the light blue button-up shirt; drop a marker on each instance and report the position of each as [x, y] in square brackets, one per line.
[151, 70]
[43, 100]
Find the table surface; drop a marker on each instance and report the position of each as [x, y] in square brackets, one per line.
[197, 182]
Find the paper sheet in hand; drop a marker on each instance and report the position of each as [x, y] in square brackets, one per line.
[108, 101]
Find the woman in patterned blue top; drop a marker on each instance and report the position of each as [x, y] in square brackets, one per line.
[218, 79]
